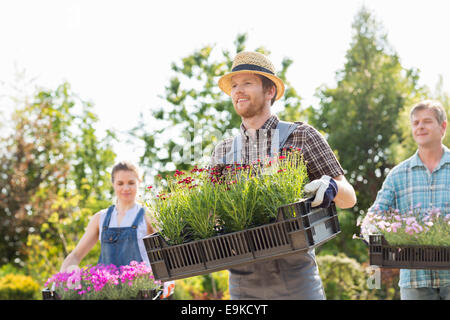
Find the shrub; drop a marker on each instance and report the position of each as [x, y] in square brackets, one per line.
[344, 278]
[18, 287]
[212, 286]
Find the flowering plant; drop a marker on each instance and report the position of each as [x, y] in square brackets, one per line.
[416, 226]
[104, 282]
[208, 201]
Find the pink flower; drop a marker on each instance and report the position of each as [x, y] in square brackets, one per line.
[395, 226]
[417, 228]
[409, 230]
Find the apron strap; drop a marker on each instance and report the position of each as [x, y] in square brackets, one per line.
[279, 137]
[234, 155]
[138, 218]
[108, 217]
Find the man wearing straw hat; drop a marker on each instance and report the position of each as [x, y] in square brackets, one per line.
[253, 87]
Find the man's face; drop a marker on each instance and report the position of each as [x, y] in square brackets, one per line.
[248, 96]
[426, 130]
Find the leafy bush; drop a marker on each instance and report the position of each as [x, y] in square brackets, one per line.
[212, 286]
[8, 269]
[18, 287]
[344, 278]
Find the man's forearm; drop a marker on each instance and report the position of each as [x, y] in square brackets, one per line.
[345, 197]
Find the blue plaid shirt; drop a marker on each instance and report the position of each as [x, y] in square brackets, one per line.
[411, 184]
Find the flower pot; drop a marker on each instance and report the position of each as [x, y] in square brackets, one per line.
[298, 228]
[383, 254]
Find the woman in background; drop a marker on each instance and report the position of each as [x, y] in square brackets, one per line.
[120, 228]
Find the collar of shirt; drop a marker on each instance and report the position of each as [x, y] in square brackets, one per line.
[417, 162]
[270, 123]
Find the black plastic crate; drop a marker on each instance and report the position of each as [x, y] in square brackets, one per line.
[298, 228]
[311, 226]
[178, 259]
[225, 249]
[383, 254]
[48, 294]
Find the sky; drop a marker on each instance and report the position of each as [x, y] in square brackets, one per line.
[117, 54]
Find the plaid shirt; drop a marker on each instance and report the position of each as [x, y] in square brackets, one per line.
[319, 158]
[411, 184]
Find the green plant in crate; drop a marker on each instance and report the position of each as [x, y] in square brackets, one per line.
[417, 226]
[18, 287]
[283, 180]
[168, 214]
[239, 200]
[254, 193]
[184, 207]
[204, 202]
[200, 203]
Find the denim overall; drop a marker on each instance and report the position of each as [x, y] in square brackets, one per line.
[119, 246]
[295, 277]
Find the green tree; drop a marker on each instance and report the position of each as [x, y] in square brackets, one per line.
[92, 157]
[360, 115]
[60, 234]
[40, 165]
[196, 113]
[444, 97]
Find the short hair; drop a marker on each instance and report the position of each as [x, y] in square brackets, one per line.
[267, 84]
[124, 166]
[434, 105]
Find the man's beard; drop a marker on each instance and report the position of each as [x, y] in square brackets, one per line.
[250, 111]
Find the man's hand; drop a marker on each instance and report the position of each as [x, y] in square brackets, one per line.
[325, 190]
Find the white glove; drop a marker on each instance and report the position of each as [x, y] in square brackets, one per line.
[169, 288]
[319, 187]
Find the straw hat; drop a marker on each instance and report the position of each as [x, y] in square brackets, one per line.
[253, 62]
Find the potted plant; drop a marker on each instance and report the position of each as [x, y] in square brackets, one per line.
[211, 218]
[417, 238]
[133, 281]
[210, 201]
